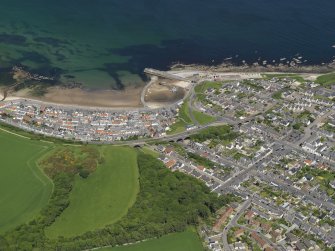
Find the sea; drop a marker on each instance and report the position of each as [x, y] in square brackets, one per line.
[107, 43]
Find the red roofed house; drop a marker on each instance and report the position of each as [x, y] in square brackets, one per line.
[262, 243]
[266, 227]
[222, 219]
[170, 163]
[239, 232]
[201, 168]
[249, 215]
[168, 150]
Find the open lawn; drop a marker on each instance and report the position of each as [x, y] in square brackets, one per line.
[326, 79]
[184, 113]
[185, 241]
[203, 118]
[24, 189]
[183, 120]
[149, 151]
[201, 88]
[103, 198]
[177, 127]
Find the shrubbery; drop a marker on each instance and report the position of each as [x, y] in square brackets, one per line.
[167, 202]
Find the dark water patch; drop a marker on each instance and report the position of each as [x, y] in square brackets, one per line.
[67, 76]
[59, 56]
[35, 57]
[199, 51]
[6, 76]
[54, 73]
[112, 69]
[162, 56]
[51, 41]
[12, 39]
[158, 33]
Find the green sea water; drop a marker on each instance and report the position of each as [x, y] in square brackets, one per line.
[108, 43]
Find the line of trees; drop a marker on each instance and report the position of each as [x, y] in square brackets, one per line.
[167, 202]
[224, 133]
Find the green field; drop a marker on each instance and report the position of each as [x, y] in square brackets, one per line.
[103, 198]
[24, 189]
[203, 118]
[147, 150]
[200, 89]
[185, 241]
[183, 120]
[326, 79]
[102, 195]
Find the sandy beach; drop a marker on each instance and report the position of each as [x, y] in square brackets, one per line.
[157, 93]
[130, 97]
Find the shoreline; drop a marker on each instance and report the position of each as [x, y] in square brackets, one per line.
[134, 97]
[230, 67]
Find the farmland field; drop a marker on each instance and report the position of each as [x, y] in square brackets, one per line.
[185, 241]
[24, 189]
[103, 198]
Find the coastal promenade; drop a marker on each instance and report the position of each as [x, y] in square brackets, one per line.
[113, 125]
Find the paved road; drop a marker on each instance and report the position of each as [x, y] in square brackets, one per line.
[233, 222]
[308, 130]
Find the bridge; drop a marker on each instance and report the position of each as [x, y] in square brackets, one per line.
[164, 74]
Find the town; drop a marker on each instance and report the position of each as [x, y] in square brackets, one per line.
[267, 144]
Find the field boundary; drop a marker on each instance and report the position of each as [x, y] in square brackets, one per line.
[16, 134]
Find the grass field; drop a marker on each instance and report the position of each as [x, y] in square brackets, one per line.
[149, 151]
[183, 120]
[24, 189]
[200, 89]
[184, 113]
[203, 118]
[185, 241]
[103, 198]
[326, 79]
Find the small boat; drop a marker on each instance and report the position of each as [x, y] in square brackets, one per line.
[333, 46]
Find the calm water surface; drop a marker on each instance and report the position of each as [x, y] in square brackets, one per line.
[108, 43]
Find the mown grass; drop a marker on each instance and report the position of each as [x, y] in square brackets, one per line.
[326, 79]
[147, 150]
[24, 188]
[184, 113]
[201, 88]
[203, 118]
[103, 198]
[184, 241]
[183, 120]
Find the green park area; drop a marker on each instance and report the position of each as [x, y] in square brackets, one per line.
[102, 198]
[200, 89]
[326, 80]
[220, 134]
[184, 241]
[24, 188]
[203, 118]
[183, 120]
[56, 196]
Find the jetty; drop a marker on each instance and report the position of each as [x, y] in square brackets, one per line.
[163, 74]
